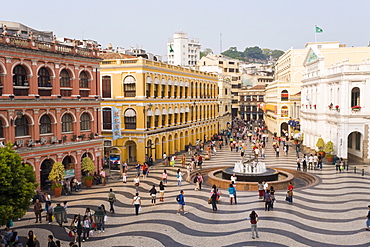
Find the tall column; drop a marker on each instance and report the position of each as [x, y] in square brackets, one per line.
[8, 78]
[34, 88]
[55, 83]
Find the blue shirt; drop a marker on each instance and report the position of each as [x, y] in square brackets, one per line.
[182, 201]
[231, 190]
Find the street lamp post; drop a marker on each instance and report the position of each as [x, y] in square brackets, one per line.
[79, 230]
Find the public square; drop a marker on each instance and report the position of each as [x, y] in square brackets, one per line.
[330, 213]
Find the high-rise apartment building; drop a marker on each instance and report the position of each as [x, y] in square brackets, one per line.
[182, 51]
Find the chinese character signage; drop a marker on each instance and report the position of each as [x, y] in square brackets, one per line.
[116, 118]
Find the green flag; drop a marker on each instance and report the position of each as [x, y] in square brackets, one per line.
[171, 50]
[319, 30]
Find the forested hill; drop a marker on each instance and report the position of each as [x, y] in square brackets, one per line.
[253, 54]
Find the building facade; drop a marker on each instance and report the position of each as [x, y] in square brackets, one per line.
[251, 103]
[287, 81]
[334, 102]
[151, 108]
[182, 51]
[50, 103]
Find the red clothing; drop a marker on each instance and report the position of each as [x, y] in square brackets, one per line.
[254, 221]
[290, 187]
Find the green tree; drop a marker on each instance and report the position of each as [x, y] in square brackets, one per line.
[17, 185]
[206, 52]
[87, 165]
[275, 54]
[232, 52]
[254, 53]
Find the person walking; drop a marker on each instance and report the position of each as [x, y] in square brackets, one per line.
[138, 168]
[231, 193]
[277, 151]
[183, 160]
[37, 209]
[310, 162]
[50, 212]
[290, 193]
[161, 191]
[153, 194]
[65, 220]
[253, 217]
[86, 228]
[137, 203]
[105, 219]
[137, 183]
[179, 177]
[214, 198]
[298, 163]
[111, 200]
[234, 185]
[164, 177]
[261, 190]
[200, 180]
[188, 170]
[368, 219]
[267, 199]
[103, 176]
[73, 227]
[304, 162]
[181, 201]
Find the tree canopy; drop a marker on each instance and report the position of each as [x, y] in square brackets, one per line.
[17, 185]
[206, 52]
[253, 54]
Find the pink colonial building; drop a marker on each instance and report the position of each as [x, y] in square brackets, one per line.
[49, 102]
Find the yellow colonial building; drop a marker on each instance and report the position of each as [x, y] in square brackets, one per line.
[151, 108]
[280, 106]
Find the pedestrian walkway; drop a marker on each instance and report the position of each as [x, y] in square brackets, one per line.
[328, 214]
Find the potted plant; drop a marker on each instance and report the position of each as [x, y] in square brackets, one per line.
[87, 165]
[329, 149]
[321, 144]
[356, 108]
[56, 175]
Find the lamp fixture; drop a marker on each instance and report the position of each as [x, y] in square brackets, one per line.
[19, 114]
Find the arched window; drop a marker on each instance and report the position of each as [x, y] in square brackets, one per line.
[355, 97]
[44, 78]
[130, 119]
[85, 121]
[20, 76]
[67, 123]
[107, 118]
[284, 95]
[84, 80]
[65, 79]
[284, 111]
[21, 126]
[45, 124]
[129, 85]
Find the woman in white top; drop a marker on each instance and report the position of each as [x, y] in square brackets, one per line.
[86, 228]
[233, 178]
[137, 183]
[179, 177]
[136, 202]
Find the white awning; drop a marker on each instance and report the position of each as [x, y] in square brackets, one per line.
[176, 82]
[187, 109]
[149, 113]
[181, 83]
[164, 82]
[170, 111]
[182, 110]
[130, 113]
[164, 111]
[157, 81]
[177, 110]
[148, 79]
[157, 112]
[129, 79]
[170, 82]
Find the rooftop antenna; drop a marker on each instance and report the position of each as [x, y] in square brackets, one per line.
[220, 43]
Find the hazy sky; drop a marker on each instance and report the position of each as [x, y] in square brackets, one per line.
[274, 24]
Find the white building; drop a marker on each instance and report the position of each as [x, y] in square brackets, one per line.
[334, 103]
[182, 51]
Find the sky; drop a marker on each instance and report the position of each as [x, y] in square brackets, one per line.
[149, 24]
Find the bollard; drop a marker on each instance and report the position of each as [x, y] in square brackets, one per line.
[363, 172]
[354, 169]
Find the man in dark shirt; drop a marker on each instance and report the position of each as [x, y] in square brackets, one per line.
[51, 242]
[368, 219]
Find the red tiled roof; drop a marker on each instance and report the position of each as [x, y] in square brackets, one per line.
[258, 87]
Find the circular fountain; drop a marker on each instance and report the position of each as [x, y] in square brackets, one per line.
[251, 171]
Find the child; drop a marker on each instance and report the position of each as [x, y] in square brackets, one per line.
[124, 176]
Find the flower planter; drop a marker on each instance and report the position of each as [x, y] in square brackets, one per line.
[57, 191]
[330, 158]
[88, 183]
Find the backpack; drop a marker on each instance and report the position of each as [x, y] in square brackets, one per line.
[178, 198]
[177, 175]
[195, 179]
